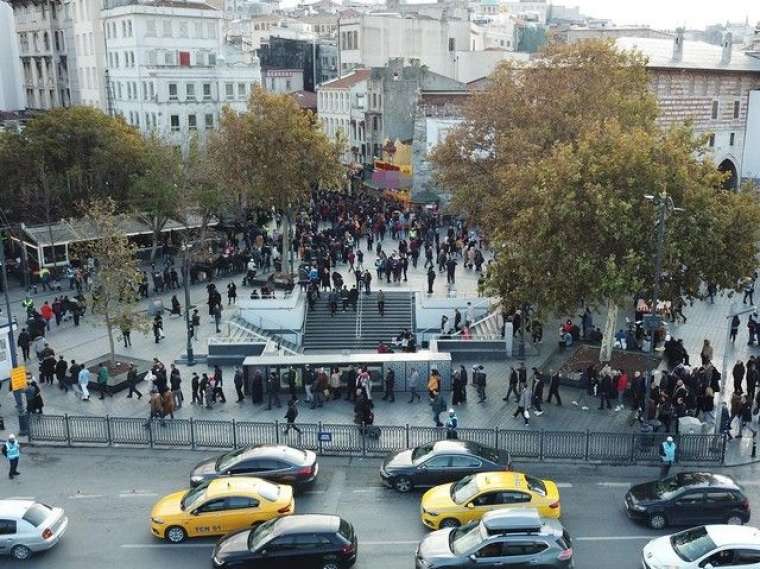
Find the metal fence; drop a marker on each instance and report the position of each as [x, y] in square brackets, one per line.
[350, 440]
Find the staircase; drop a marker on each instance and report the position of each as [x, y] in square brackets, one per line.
[239, 328]
[488, 327]
[361, 330]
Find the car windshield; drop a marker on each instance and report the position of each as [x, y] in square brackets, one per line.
[466, 538]
[193, 495]
[667, 487]
[535, 485]
[420, 452]
[261, 535]
[464, 490]
[37, 514]
[229, 460]
[483, 452]
[692, 544]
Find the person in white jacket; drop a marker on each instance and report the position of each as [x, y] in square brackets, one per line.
[84, 380]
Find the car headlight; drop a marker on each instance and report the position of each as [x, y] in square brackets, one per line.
[433, 514]
[638, 508]
[158, 521]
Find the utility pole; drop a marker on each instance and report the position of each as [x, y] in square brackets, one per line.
[18, 396]
[186, 286]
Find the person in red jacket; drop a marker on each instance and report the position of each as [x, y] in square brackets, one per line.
[47, 313]
[622, 386]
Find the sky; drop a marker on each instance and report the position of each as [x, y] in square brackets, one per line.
[669, 14]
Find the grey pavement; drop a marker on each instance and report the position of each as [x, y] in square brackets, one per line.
[108, 494]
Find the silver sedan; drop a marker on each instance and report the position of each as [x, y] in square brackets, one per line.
[27, 527]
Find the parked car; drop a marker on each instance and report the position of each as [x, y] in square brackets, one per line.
[440, 462]
[503, 538]
[688, 499]
[218, 507]
[278, 463]
[457, 503]
[704, 547]
[310, 541]
[28, 527]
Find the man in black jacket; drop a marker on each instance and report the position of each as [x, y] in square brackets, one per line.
[131, 381]
[554, 388]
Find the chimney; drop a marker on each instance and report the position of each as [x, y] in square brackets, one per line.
[678, 45]
[728, 47]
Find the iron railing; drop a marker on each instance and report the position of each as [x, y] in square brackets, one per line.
[351, 440]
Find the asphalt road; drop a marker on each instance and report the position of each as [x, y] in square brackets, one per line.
[108, 493]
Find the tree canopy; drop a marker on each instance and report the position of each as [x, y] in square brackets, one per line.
[554, 160]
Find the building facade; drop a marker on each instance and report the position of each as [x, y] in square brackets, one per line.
[12, 96]
[169, 70]
[341, 107]
[43, 49]
[711, 87]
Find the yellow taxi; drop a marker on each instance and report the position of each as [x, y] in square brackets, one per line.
[219, 506]
[452, 505]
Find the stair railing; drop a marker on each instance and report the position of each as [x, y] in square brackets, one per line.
[359, 312]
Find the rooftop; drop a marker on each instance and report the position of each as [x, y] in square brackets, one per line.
[347, 81]
[696, 55]
[305, 99]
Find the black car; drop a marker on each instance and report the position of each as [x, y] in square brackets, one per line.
[310, 541]
[278, 463]
[688, 499]
[440, 462]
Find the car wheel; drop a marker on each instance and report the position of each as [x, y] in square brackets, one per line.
[21, 552]
[403, 484]
[175, 534]
[330, 565]
[657, 521]
[735, 520]
[449, 523]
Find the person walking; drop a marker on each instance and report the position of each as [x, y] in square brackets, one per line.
[381, 302]
[439, 406]
[175, 384]
[195, 386]
[667, 455]
[238, 381]
[84, 378]
[61, 367]
[217, 313]
[479, 380]
[621, 386]
[735, 322]
[538, 391]
[24, 341]
[523, 404]
[451, 425]
[231, 293]
[513, 386]
[273, 389]
[103, 381]
[290, 416]
[132, 382]
[605, 387]
[554, 388]
[12, 451]
[390, 383]
[412, 383]
[308, 383]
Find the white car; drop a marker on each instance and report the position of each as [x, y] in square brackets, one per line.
[28, 527]
[705, 547]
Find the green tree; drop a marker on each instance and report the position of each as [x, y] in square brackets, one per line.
[156, 193]
[554, 161]
[273, 154]
[113, 293]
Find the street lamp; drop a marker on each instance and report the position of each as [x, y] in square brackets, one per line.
[186, 286]
[665, 206]
[731, 313]
[23, 423]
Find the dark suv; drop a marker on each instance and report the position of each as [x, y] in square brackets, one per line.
[688, 499]
[309, 541]
[503, 538]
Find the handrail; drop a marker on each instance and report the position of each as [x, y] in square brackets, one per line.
[437, 328]
[490, 315]
[359, 311]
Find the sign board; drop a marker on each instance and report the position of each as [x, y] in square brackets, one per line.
[6, 362]
[18, 378]
[324, 437]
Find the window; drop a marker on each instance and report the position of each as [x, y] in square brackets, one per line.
[211, 30]
[183, 29]
[7, 527]
[191, 122]
[197, 29]
[452, 44]
[144, 91]
[209, 120]
[239, 502]
[731, 139]
[152, 92]
[207, 91]
[229, 90]
[690, 499]
[746, 556]
[711, 141]
[464, 462]
[172, 91]
[123, 28]
[438, 462]
[714, 112]
[36, 514]
[719, 498]
[212, 59]
[152, 60]
[287, 84]
[212, 505]
[519, 549]
[174, 121]
[167, 28]
[170, 58]
[490, 550]
[200, 58]
[737, 108]
[150, 29]
[184, 58]
[129, 29]
[190, 91]
[241, 90]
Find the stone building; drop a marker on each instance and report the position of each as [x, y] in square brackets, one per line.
[713, 87]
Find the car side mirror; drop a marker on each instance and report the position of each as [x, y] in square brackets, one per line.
[264, 552]
[707, 565]
[470, 505]
[473, 558]
[194, 513]
[422, 467]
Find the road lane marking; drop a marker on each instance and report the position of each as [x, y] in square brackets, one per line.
[139, 495]
[366, 490]
[315, 491]
[616, 538]
[614, 484]
[164, 545]
[85, 496]
[564, 484]
[21, 498]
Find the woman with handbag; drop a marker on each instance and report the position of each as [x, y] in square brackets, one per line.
[523, 404]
